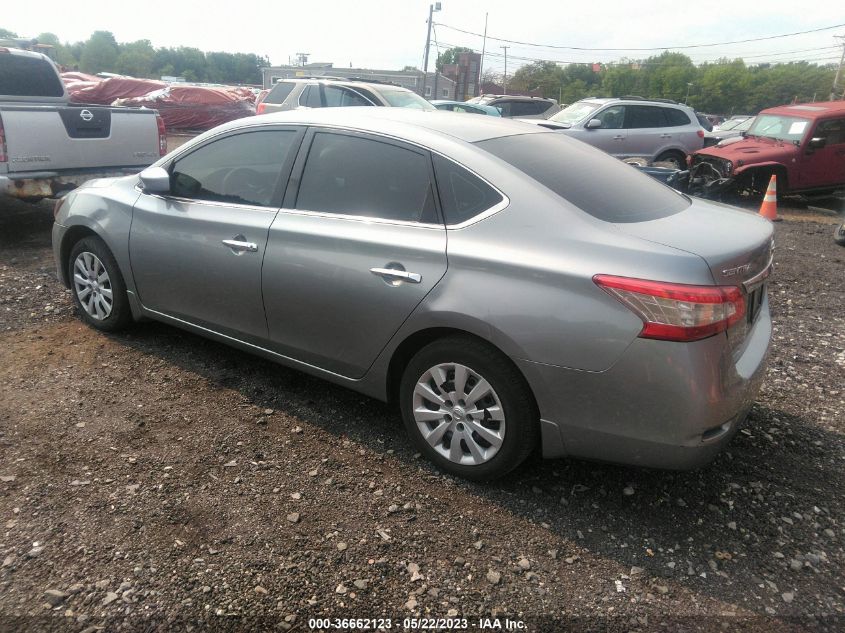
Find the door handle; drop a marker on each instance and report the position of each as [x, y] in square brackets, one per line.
[618, 138]
[665, 136]
[392, 274]
[240, 245]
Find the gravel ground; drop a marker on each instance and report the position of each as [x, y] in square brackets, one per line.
[158, 481]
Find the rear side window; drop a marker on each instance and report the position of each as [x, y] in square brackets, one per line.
[343, 97]
[241, 169]
[310, 97]
[644, 116]
[279, 92]
[22, 76]
[676, 118]
[593, 181]
[462, 194]
[353, 175]
[528, 108]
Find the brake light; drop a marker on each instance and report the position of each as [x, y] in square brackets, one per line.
[162, 136]
[3, 156]
[676, 312]
[700, 133]
[260, 108]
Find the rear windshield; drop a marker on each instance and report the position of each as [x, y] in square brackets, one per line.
[593, 181]
[22, 76]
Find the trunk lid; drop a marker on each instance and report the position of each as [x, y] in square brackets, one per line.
[736, 245]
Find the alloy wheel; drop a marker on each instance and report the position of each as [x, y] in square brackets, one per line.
[93, 286]
[459, 414]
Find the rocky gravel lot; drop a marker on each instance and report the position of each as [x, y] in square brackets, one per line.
[157, 481]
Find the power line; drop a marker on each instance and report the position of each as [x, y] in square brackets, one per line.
[655, 48]
[638, 62]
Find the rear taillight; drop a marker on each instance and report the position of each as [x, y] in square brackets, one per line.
[700, 133]
[162, 136]
[260, 108]
[3, 156]
[676, 312]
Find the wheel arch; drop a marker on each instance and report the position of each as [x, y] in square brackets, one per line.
[414, 342]
[71, 237]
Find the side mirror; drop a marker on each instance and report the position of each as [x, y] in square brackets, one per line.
[155, 180]
[593, 124]
[817, 142]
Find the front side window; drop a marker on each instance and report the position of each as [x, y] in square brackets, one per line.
[353, 175]
[611, 118]
[240, 169]
[833, 131]
[463, 195]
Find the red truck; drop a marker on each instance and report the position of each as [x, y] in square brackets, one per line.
[804, 144]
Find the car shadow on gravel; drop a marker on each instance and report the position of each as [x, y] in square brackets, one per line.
[761, 519]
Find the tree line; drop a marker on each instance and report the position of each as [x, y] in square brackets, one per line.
[723, 87]
[102, 53]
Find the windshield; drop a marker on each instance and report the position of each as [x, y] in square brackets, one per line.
[405, 99]
[743, 126]
[731, 124]
[593, 181]
[779, 127]
[576, 112]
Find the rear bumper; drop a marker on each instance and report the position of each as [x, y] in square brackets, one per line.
[53, 184]
[663, 405]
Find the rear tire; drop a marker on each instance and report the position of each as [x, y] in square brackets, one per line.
[99, 291]
[468, 409]
[677, 159]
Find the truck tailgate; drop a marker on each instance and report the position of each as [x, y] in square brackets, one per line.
[69, 138]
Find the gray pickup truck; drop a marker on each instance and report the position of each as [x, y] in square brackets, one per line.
[49, 146]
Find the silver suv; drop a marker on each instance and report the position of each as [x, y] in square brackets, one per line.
[332, 92]
[625, 127]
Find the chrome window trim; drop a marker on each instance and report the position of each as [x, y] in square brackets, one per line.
[482, 215]
[362, 218]
[213, 203]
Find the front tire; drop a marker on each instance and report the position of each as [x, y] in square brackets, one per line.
[99, 291]
[468, 409]
[839, 234]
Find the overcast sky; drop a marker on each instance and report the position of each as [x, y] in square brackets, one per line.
[389, 34]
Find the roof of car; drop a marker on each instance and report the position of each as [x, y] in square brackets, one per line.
[23, 53]
[333, 79]
[808, 110]
[406, 122]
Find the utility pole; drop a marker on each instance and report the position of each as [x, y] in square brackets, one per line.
[431, 9]
[483, 50]
[505, 80]
[835, 89]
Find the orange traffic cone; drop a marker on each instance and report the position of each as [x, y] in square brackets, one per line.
[769, 208]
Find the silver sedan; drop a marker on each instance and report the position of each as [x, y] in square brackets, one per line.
[506, 286]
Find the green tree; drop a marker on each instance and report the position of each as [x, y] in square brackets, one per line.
[7, 33]
[136, 59]
[450, 56]
[100, 53]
